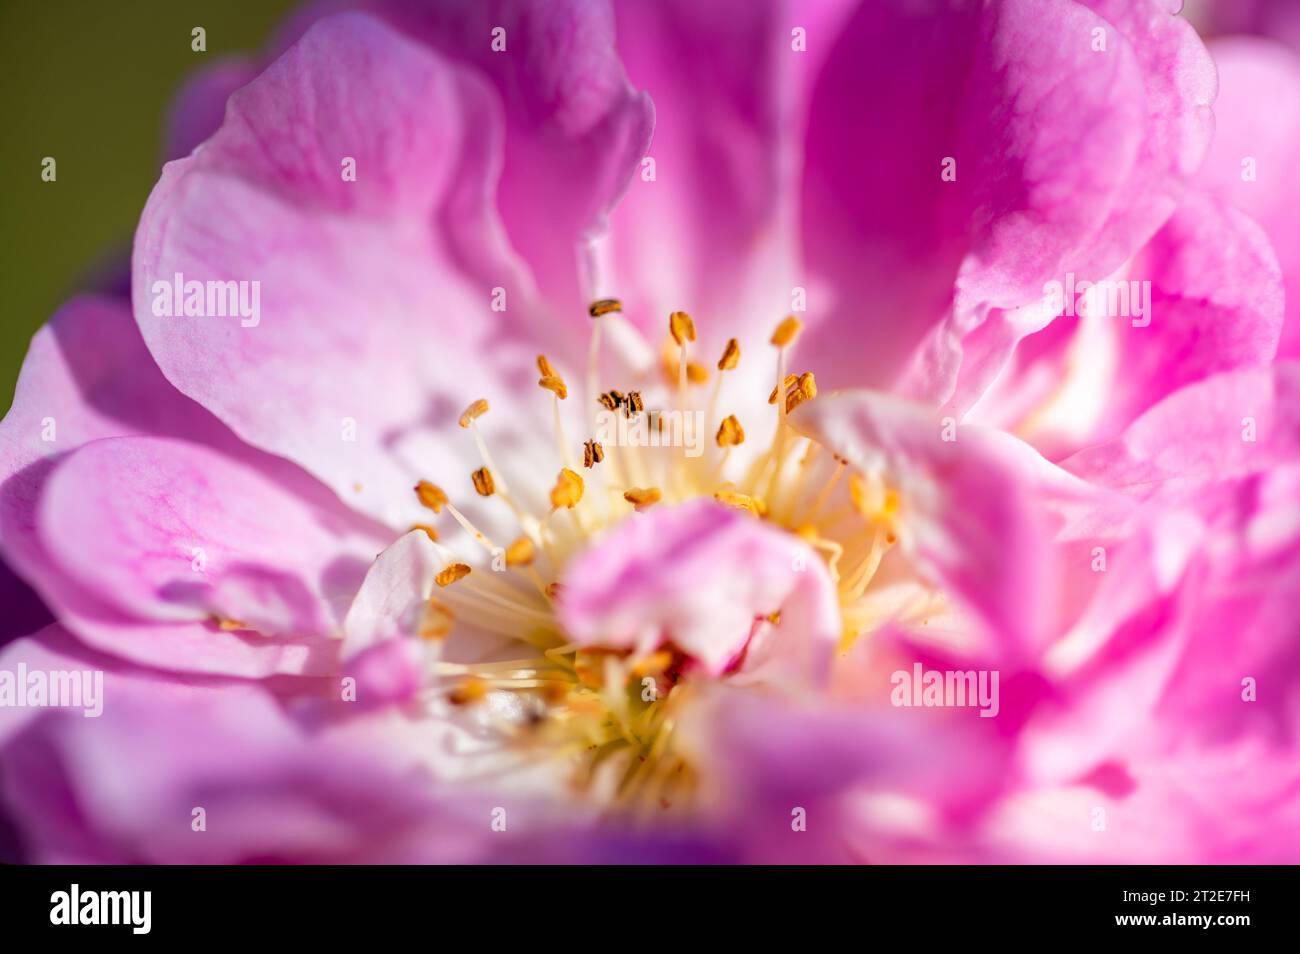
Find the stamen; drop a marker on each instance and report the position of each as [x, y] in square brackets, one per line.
[431, 495]
[483, 482]
[471, 690]
[730, 356]
[730, 433]
[457, 571]
[789, 381]
[436, 621]
[794, 499]
[552, 382]
[521, 553]
[643, 498]
[873, 501]
[859, 578]
[653, 664]
[567, 491]
[597, 309]
[468, 527]
[804, 389]
[809, 533]
[487, 479]
[732, 498]
[473, 412]
[487, 544]
[782, 337]
[591, 709]
[787, 331]
[681, 327]
[603, 306]
[696, 373]
[825, 492]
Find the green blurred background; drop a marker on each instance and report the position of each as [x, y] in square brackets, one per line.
[89, 83]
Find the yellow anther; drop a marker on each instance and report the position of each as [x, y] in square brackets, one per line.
[872, 500]
[483, 482]
[805, 389]
[789, 382]
[741, 501]
[787, 331]
[592, 453]
[696, 373]
[891, 504]
[436, 621]
[544, 367]
[431, 496]
[681, 327]
[603, 306]
[555, 383]
[429, 532]
[521, 553]
[653, 664]
[730, 433]
[643, 497]
[471, 690]
[230, 625]
[473, 412]
[730, 356]
[457, 571]
[567, 490]
[865, 498]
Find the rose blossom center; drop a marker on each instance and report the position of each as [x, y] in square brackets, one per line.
[609, 711]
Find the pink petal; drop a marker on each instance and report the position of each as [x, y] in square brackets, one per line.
[968, 511]
[169, 531]
[368, 333]
[1067, 160]
[713, 231]
[1203, 296]
[1226, 426]
[574, 127]
[698, 576]
[1216, 305]
[197, 110]
[1257, 121]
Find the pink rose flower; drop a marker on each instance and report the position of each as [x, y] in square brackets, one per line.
[979, 393]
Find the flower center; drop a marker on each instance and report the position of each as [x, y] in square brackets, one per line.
[612, 712]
